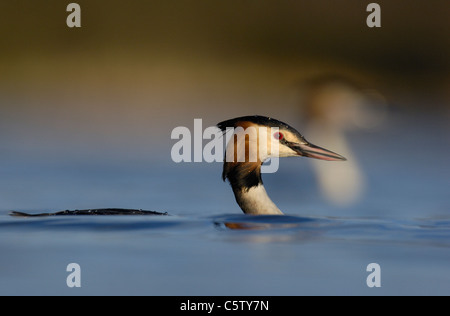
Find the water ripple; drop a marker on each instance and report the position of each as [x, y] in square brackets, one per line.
[251, 228]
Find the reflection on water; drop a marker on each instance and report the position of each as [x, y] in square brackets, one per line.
[266, 222]
[432, 232]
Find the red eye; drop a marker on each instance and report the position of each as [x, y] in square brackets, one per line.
[278, 135]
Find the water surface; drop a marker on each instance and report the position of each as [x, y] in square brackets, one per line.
[207, 247]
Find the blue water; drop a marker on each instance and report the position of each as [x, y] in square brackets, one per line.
[202, 256]
[207, 247]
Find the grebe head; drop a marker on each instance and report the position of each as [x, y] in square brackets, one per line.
[257, 138]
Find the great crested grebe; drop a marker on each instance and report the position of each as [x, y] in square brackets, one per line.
[245, 176]
[244, 158]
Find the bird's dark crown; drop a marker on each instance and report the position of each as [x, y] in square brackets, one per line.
[255, 119]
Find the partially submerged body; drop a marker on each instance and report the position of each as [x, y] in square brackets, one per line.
[98, 211]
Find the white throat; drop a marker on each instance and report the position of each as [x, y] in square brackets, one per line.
[255, 201]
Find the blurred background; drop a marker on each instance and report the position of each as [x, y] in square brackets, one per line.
[86, 116]
[86, 113]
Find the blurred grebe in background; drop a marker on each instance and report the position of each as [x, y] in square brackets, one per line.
[332, 105]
